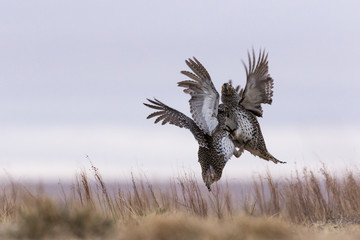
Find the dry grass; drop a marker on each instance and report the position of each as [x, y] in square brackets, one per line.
[307, 205]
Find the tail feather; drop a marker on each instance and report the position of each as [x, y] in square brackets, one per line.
[264, 155]
[270, 157]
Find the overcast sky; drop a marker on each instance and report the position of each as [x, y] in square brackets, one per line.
[74, 75]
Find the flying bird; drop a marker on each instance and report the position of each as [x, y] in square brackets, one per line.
[208, 124]
[227, 129]
[245, 106]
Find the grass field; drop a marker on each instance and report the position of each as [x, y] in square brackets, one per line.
[305, 206]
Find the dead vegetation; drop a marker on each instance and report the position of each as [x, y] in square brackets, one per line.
[268, 208]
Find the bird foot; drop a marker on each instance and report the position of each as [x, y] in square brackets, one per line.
[237, 153]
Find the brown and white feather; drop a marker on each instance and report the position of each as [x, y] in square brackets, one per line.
[169, 115]
[259, 84]
[204, 101]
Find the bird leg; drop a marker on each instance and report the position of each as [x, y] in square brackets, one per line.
[238, 152]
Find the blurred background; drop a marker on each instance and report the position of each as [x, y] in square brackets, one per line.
[74, 75]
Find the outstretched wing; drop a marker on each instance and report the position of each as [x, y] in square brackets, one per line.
[259, 84]
[204, 101]
[169, 115]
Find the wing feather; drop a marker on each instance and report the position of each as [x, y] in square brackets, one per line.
[259, 84]
[174, 117]
[204, 101]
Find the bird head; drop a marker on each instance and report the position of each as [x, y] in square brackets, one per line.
[226, 87]
[210, 176]
[229, 95]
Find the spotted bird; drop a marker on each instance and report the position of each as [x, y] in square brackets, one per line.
[208, 123]
[245, 106]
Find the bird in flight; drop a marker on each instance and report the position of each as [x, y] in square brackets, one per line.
[245, 106]
[217, 129]
[208, 123]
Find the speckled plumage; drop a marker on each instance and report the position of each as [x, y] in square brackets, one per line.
[245, 106]
[214, 150]
[248, 134]
[222, 130]
[208, 123]
[219, 150]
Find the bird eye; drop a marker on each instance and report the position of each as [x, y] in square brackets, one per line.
[229, 86]
[222, 89]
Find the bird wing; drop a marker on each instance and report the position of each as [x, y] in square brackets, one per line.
[169, 115]
[259, 84]
[240, 91]
[204, 101]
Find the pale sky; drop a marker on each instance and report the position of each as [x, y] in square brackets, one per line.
[74, 75]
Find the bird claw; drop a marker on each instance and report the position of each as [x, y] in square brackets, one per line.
[237, 153]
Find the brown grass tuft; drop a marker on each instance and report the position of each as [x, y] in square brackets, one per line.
[269, 208]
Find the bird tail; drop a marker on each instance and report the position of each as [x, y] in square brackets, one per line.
[267, 156]
[264, 154]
